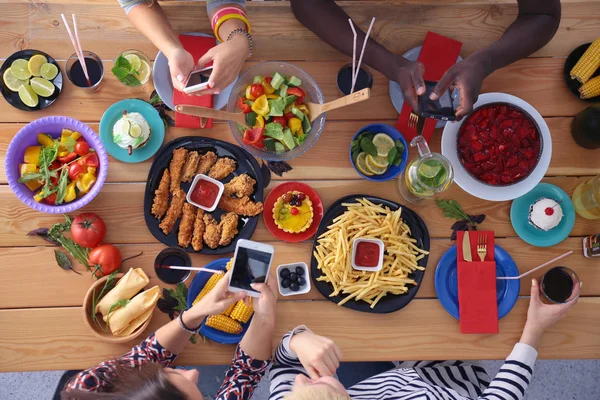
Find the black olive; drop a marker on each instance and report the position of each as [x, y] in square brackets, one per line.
[300, 271]
[301, 281]
[285, 283]
[284, 273]
[293, 277]
[294, 286]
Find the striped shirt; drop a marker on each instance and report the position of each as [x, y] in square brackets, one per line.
[423, 380]
[128, 5]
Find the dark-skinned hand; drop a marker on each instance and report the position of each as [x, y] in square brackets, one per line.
[409, 75]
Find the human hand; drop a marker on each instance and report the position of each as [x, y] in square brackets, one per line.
[320, 356]
[409, 75]
[466, 76]
[264, 305]
[181, 63]
[541, 316]
[228, 59]
[217, 300]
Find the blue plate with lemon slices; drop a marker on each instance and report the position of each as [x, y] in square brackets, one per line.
[114, 113]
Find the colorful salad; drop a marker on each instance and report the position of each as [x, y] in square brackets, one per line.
[277, 120]
[59, 170]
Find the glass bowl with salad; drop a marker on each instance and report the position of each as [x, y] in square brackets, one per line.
[56, 164]
[273, 97]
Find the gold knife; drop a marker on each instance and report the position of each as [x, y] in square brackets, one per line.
[467, 247]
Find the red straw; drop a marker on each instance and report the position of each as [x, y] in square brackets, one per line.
[77, 46]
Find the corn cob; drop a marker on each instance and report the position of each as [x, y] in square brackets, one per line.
[229, 264]
[242, 312]
[590, 89]
[224, 324]
[229, 310]
[210, 284]
[588, 63]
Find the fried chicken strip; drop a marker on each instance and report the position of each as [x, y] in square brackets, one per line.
[212, 231]
[197, 239]
[240, 186]
[222, 168]
[176, 166]
[229, 228]
[242, 206]
[160, 204]
[174, 211]
[186, 226]
[191, 164]
[206, 162]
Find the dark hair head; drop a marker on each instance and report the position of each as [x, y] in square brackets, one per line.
[148, 382]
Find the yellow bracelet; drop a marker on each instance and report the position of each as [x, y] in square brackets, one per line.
[228, 17]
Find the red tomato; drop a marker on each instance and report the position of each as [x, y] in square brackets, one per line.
[268, 79]
[51, 199]
[296, 92]
[82, 148]
[55, 165]
[90, 160]
[75, 170]
[288, 116]
[281, 121]
[254, 137]
[104, 260]
[68, 158]
[257, 90]
[243, 106]
[88, 229]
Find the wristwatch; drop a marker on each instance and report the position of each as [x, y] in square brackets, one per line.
[244, 33]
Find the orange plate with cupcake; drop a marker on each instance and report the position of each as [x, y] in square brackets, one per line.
[293, 211]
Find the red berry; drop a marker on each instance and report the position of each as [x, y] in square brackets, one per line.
[549, 210]
[294, 211]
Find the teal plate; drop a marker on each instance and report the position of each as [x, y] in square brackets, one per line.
[519, 213]
[114, 113]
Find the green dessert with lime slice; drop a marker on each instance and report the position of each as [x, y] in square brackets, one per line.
[131, 132]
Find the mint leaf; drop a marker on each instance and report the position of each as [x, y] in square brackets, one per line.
[392, 155]
[368, 147]
[120, 72]
[131, 80]
[122, 62]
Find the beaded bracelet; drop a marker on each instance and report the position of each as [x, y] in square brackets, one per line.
[185, 328]
[227, 17]
[242, 32]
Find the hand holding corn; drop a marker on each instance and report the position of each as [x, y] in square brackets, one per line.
[214, 298]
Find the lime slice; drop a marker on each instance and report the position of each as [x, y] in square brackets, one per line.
[28, 96]
[143, 72]
[35, 64]
[49, 71]
[20, 70]
[11, 82]
[430, 168]
[383, 143]
[361, 164]
[374, 165]
[135, 131]
[135, 61]
[42, 87]
[126, 127]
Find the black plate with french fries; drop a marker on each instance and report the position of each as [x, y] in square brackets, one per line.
[399, 280]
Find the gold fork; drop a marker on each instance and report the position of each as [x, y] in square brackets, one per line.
[482, 246]
[413, 121]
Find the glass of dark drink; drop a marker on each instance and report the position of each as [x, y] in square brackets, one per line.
[95, 70]
[363, 80]
[561, 285]
[585, 128]
[172, 256]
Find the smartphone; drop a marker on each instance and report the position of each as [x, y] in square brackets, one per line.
[197, 80]
[442, 108]
[251, 264]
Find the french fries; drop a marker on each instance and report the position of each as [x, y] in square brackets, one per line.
[368, 220]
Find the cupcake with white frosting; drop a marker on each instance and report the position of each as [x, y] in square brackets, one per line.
[131, 132]
[545, 214]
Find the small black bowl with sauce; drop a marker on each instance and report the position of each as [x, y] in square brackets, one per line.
[172, 256]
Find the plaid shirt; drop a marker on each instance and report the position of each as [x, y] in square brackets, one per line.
[241, 379]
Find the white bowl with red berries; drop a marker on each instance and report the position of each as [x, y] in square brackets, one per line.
[501, 150]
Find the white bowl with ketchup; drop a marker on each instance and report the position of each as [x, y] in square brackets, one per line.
[205, 192]
[367, 254]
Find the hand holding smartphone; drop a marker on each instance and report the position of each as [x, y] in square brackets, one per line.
[197, 80]
[442, 108]
[251, 264]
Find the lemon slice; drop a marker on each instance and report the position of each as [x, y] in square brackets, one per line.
[430, 168]
[28, 96]
[20, 70]
[135, 131]
[374, 165]
[126, 127]
[35, 64]
[361, 164]
[379, 162]
[42, 87]
[49, 71]
[135, 61]
[11, 82]
[143, 72]
[383, 143]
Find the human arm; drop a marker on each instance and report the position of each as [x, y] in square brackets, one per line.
[330, 23]
[535, 26]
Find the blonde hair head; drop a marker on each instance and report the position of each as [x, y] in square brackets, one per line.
[314, 393]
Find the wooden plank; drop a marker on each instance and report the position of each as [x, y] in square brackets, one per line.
[538, 81]
[400, 26]
[567, 159]
[56, 338]
[41, 282]
[120, 205]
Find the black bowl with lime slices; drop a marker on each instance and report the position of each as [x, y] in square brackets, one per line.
[12, 97]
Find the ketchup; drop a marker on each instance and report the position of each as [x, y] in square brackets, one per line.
[367, 254]
[205, 193]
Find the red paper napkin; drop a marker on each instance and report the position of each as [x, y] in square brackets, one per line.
[196, 46]
[477, 287]
[438, 54]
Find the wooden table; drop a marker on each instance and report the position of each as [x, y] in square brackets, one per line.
[41, 322]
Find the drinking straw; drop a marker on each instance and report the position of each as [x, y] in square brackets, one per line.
[361, 54]
[77, 46]
[506, 278]
[212, 271]
[353, 53]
